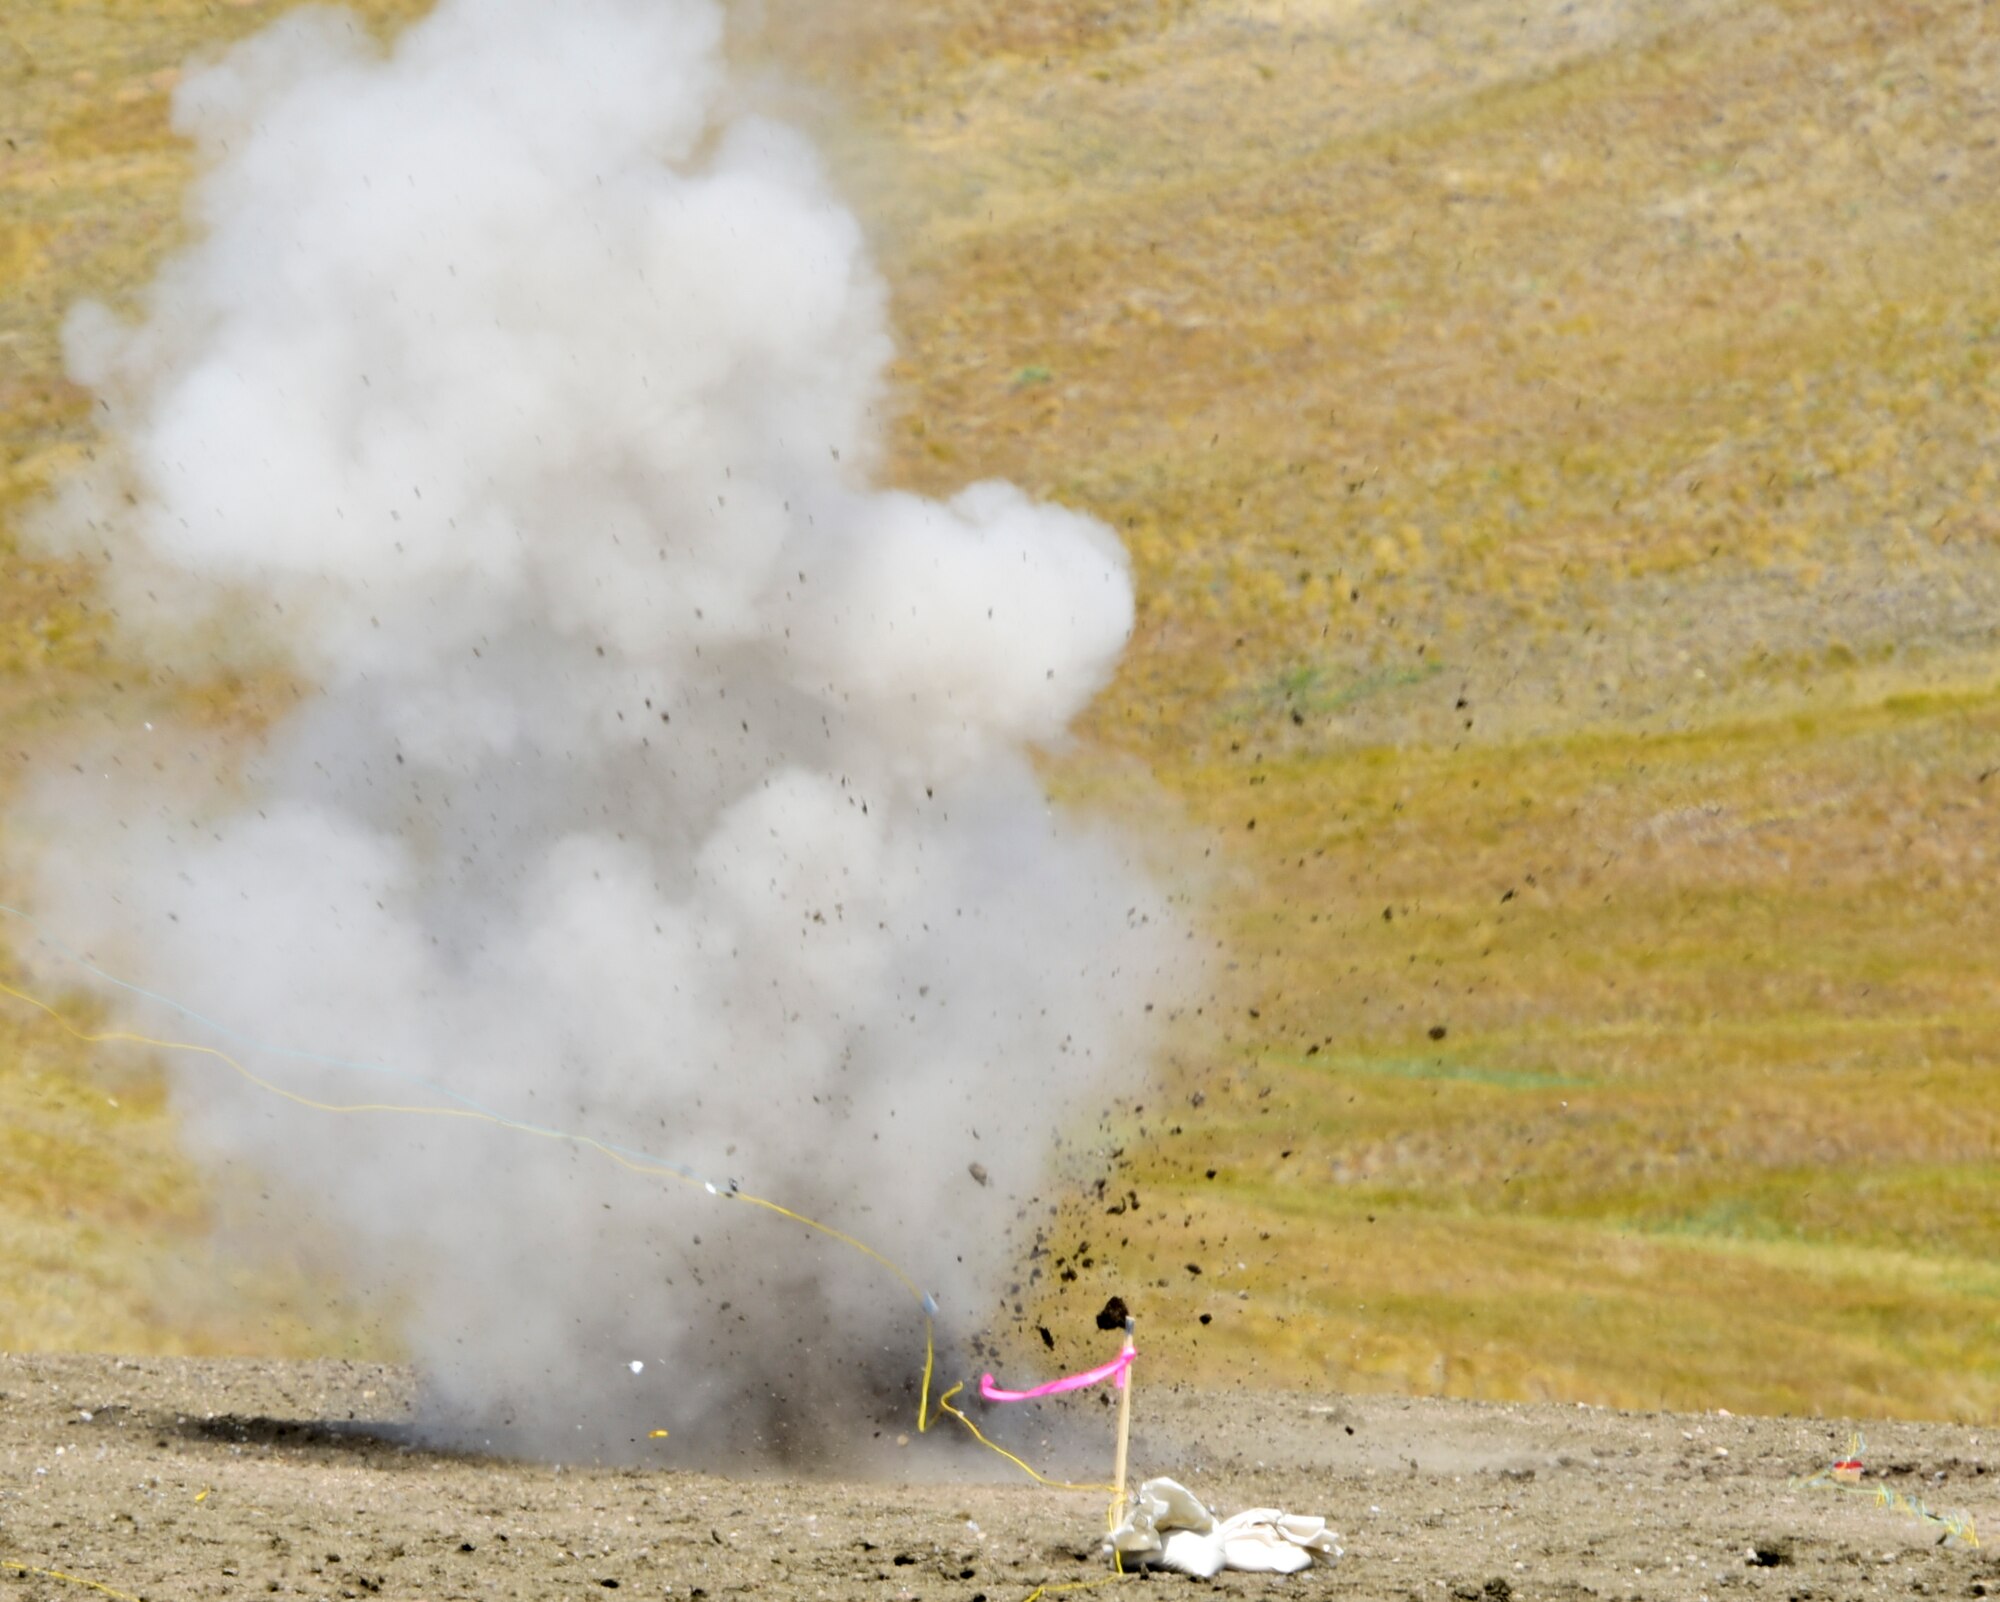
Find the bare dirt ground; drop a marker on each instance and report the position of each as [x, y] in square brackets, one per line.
[168, 1478]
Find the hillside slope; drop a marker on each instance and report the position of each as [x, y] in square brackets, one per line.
[1555, 444]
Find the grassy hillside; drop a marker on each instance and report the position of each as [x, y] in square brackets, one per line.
[1556, 447]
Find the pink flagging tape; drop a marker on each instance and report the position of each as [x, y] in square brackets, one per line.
[1075, 1382]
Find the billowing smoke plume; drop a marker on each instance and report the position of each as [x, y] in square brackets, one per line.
[665, 782]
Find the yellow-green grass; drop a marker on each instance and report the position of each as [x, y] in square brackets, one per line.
[1723, 996]
[1348, 1293]
[1708, 1118]
[1557, 460]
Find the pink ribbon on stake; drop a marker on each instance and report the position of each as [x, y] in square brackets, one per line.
[1075, 1382]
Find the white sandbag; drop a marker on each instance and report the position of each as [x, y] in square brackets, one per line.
[1165, 1526]
[1267, 1541]
[1185, 1552]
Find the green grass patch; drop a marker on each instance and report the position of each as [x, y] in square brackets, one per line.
[1431, 1068]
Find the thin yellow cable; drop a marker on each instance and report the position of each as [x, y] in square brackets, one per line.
[1041, 1591]
[944, 1405]
[67, 1579]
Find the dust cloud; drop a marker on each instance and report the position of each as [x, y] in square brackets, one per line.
[664, 780]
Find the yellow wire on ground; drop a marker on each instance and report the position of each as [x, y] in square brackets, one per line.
[1041, 1591]
[67, 1579]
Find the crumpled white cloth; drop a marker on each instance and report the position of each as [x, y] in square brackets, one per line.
[1166, 1527]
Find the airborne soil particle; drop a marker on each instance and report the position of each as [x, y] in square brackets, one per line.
[170, 1478]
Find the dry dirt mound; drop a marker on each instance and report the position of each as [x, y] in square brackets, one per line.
[175, 1478]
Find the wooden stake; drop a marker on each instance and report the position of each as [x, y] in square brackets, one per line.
[1124, 1428]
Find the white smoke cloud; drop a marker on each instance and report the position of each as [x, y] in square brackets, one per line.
[666, 782]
